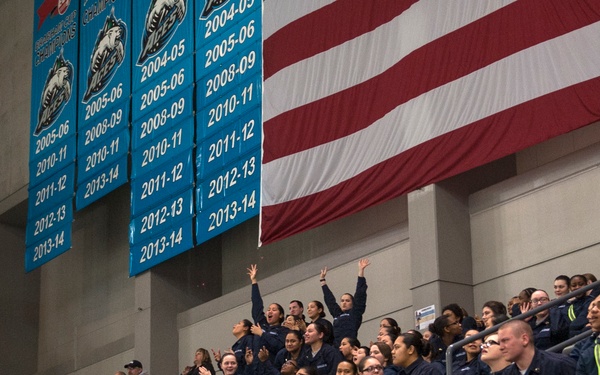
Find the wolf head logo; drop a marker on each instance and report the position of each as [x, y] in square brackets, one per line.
[162, 20]
[56, 93]
[210, 6]
[107, 55]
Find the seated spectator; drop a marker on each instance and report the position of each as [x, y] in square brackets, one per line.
[370, 365]
[408, 354]
[202, 361]
[359, 354]
[348, 346]
[388, 336]
[587, 363]
[445, 331]
[294, 322]
[471, 364]
[592, 279]
[296, 308]
[577, 309]
[229, 364]
[320, 355]
[307, 370]
[511, 302]
[268, 329]
[549, 326]
[455, 312]
[491, 309]
[492, 356]
[294, 343]
[347, 318]
[383, 353]
[390, 323]
[517, 346]
[524, 300]
[346, 367]
[245, 339]
[316, 314]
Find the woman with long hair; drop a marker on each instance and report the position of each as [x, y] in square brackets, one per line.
[348, 346]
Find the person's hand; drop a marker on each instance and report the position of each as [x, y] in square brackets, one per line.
[362, 264]
[263, 354]
[256, 330]
[187, 370]
[252, 273]
[478, 321]
[249, 356]
[524, 307]
[301, 325]
[216, 354]
[203, 371]
[323, 274]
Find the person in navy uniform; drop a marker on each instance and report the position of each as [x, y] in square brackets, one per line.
[550, 327]
[589, 358]
[347, 318]
[517, 346]
[577, 309]
[409, 350]
[268, 329]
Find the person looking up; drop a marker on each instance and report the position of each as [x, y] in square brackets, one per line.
[267, 328]
[347, 316]
[492, 356]
[320, 355]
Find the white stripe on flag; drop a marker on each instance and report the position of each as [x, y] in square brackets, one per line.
[531, 73]
[335, 70]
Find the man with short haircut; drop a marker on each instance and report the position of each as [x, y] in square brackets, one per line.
[517, 345]
[550, 327]
[588, 360]
[297, 308]
[135, 368]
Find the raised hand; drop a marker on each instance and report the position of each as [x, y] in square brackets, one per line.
[252, 273]
[362, 264]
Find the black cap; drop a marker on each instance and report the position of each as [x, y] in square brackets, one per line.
[133, 364]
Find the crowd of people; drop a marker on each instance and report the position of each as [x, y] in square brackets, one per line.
[307, 343]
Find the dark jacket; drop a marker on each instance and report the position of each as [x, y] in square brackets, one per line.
[273, 337]
[545, 363]
[473, 367]
[325, 361]
[420, 367]
[588, 360]
[577, 314]
[438, 354]
[582, 345]
[347, 323]
[239, 349]
[552, 331]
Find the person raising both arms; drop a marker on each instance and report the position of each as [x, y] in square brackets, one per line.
[347, 316]
[271, 334]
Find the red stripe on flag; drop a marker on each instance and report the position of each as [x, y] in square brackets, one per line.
[325, 28]
[511, 29]
[476, 144]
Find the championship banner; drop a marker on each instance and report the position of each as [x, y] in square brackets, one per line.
[228, 114]
[163, 132]
[104, 97]
[53, 130]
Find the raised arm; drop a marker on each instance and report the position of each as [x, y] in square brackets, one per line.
[258, 306]
[330, 301]
[360, 295]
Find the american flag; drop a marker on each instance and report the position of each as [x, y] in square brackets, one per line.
[367, 100]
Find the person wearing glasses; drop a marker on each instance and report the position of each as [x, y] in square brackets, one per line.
[492, 356]
[472, 364]
[549, 326]
[408, 354]
[370, 365]
[445, 331]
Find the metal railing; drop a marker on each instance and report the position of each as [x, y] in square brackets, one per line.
[459, 344]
